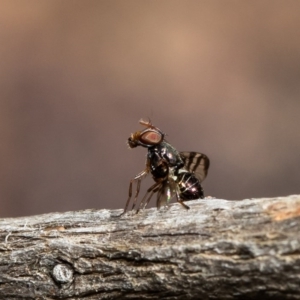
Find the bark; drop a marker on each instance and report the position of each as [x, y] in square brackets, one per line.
[218, 249]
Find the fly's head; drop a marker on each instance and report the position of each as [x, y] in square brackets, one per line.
[147, 138]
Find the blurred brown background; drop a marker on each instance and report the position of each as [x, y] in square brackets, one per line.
[219, 77]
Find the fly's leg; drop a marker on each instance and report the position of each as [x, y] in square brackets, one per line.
[184, 205]
[137, 178]
[181, 201]
[149, 198]
[138, 186]
[153, 189]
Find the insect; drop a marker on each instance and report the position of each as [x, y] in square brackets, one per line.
[175, 173]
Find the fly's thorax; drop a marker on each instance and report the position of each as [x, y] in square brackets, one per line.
[168, 153]
[163, 159]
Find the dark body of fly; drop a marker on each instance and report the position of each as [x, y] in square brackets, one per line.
[175, 173]
[165, 159]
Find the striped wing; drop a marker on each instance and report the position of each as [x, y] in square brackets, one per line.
[196, 163]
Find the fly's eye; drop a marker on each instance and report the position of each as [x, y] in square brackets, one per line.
[151, 137]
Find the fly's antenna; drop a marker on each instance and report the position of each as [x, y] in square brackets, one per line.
[146, 123]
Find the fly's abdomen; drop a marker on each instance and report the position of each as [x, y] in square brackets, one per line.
[189, 187]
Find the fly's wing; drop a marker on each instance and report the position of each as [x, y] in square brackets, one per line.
[164, 194]
[196, 163]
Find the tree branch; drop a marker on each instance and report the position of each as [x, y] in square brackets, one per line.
[218, 249]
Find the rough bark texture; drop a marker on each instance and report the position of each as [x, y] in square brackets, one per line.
[218, 249]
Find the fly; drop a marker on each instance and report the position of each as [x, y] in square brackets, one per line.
[174, 173]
